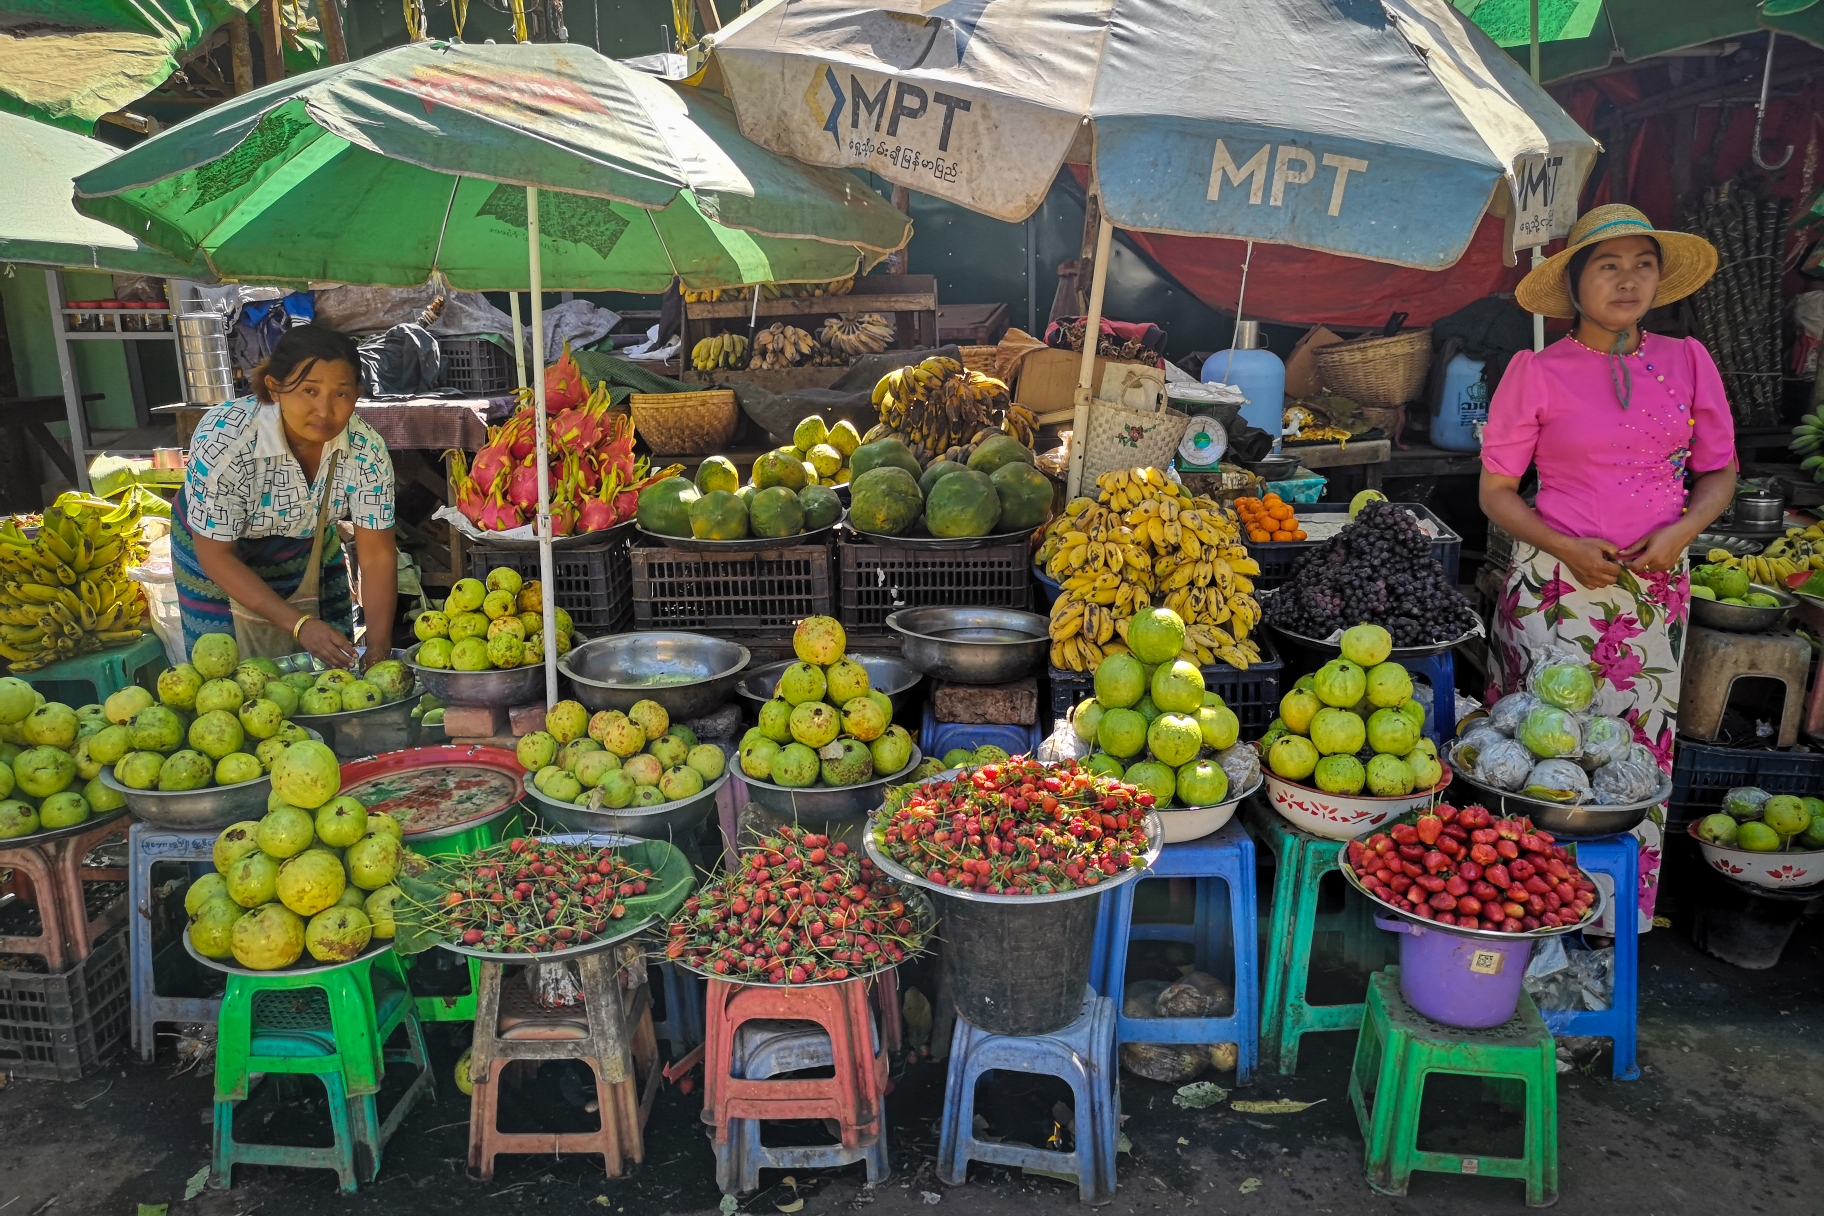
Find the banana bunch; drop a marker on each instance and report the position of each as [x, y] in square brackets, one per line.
[66, 591]
[781, 345]
[771, 291]
[1146, 540]
[935, 405]
[1799, 549]
[853, 334]
[1808, 442]
[723, 350]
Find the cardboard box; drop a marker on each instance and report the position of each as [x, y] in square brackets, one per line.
[1301, 369]
[1048, 379]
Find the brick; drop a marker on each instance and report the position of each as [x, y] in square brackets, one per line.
[471, 721]
[527, 718]
[1012, 704]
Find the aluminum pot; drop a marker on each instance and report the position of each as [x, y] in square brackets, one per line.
[972, 645]
[614, 672]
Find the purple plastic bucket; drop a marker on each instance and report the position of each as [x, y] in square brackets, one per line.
[1460, 981]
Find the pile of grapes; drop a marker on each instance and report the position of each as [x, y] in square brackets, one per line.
[1378, 569]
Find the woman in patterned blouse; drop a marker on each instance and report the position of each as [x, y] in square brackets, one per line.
[244, 523]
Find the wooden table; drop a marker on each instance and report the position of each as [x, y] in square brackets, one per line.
[1368, 454]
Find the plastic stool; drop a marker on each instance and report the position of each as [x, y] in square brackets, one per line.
[1225, 925]
[1619, 858]
[449, 1007]
[1439, 671]
[1082, 1054]
[332, 1025]
[54, 872]
[683, 1024]
[611, 1033]
[1714, 661]
[764, 1049]
[102, 673]
[935, 738]
[149, 845]
[1398, 1048]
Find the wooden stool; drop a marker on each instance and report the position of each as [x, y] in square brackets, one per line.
[1715, 660]
[611, 1032]
[49, 876]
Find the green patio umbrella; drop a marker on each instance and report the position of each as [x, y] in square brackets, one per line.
[525, 167]
[1586, 35]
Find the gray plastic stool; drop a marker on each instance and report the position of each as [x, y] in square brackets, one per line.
[148, 845]
[766, 1049]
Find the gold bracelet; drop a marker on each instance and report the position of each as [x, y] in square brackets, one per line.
[299, 627]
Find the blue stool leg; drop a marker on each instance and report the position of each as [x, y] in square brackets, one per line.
[1618, 857]
[1245, 949]
[959, 1109]
[1440, 671]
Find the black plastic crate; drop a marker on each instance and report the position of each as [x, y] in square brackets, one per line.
[1703, 772]
[880, 579]
[594, 583]
[477, 366]
[62, 1027]
[761, 594]
[1253, 694]
[1277, 558]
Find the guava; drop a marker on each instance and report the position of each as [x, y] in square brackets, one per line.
[1103, 764]
[359, 694]
[846, 680]
[1391, 731]
[505, 578]
[814, 723]
[253, 879]
[1340, 775]
[373, 860]
[1701, 592]
[644, 768]
[471, 654]
[564, 787]
[796, 766]
[1155, 635]
[120, 706]
[1177, 687]
[379, 908]
[50, 725]
[1426, 771]
[802, 683]
[708, 760]
[571, 753]
[338, 934]
[623, 736]
[215, 655]
[1718, 829]
[269, 937]
[853, 764]
[1811, 838]
[1120, 681]
[497, 604]
[536, 750]
[618, 788]
[435, 654]
[647, 796]
[341, 821]
[1389, 685]
[1202, 783]
[285, 831]
[233, 843]
[756, 757]
[86, 764]
[680, 781]
[236, 767]
[1757, 837]
[958, 757]
[466, 595]
[43, 770]
[1340, 683]
[1337, 732]
[669, 750]
[591, 767]
[820, 640]
[17, 699]
[261, 719]
[310, 882]
[862, 719]
[1297, 708]
[250, 677]
[775, 721]
[1122, 732]
[379, 823]
[219, 694]
[216, 733]
[567, 720]
[1414, 710]
[1219, 725]
[988, 753]
[431, 624]
[1292, 757]
[1362, 499]
[892, 751]
[1174, 739]
[1085, 718]
[64, 809]
[392, 678]
[1146, 708]
[268, 750]
[307, 774]
[1159, 780]
[1367, 645]
[18, 819]
[211, 928]
[89, 719]
[139, 770]
[1389, 777]
[1784, 813]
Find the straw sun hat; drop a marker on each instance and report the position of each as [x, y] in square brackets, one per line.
[1686, 261]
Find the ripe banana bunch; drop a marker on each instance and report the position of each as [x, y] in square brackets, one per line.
[723, 350]
[65, 591]
[1799, 549]
[1147, 541]
[853, 334]
[770, 291]
[781, 345]
[1808, 442]
[936, 404]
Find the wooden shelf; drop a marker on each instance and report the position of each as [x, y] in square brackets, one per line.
[910, 298]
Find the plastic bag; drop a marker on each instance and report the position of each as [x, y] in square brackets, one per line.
[1605, 740]
[1557, 781]
[1063, 744]
[1476, 740]
[1745, 801]
[1242, 764]
[1504, 765]
[1550, 732]
[1566, 685]
[1625, 781]
[1197, 995]
[1644, 754]
[404, 359]
[1510, 711]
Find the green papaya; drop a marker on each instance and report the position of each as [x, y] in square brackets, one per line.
[1025, 493]
[664, 507]
[776, 512]
[997, 450]
[936, 473]
[821, 507]
[963, 504]
[882, 453]
[884, 501]
[718, 515]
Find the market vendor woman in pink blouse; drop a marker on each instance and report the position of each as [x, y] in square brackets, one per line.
[1635, 448]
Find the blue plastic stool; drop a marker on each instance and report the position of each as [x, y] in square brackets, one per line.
[1439, 671]
[1082, 1054]
[1225, 930]
[1619, 858]
[101, 674]
[935, 738]
[683, 1024]
[149, 845]
[766, 1049]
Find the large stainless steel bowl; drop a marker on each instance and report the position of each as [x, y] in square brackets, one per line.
[215, 806]
[493, 689]
[972, 645]
[670, 821]
[829, 804]
[1743, 618]
[886, 674]
[688, 673]
[1561, 819]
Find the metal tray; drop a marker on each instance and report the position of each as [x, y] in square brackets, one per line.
[1487, 935]
[824, 803]
[917, 538]
[673, 817]
[56, 834]
[492, 689]
[747, 544]
[1738, 546]
[917, 902]
[1400, 654]
[580, 541]
[1567, 819]
[378, 945]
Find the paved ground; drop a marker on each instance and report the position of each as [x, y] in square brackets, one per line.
[1723, 1119]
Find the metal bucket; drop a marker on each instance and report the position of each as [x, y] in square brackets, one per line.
[1019, 966]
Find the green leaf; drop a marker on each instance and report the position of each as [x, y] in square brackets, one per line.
[154, 1209]
[729, 1205]
[194, 1184]
[1276, 1106]
[1199, 1095]
[1249, 1185]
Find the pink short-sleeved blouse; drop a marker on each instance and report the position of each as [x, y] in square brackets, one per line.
[1606, 472]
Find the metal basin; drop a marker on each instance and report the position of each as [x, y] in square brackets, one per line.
[671, 821]
[216, 806]
[972, 645]
[493, 689]
[688, 673]
[893, 676]
[1564, 819]
[827, 804]
[1743, 618]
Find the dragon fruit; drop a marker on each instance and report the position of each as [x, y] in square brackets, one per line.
[498, 515]
[564, 386]
[495, 457]
[522, 486]
[471, 499]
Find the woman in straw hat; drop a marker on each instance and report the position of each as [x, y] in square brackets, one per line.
[1635, 447]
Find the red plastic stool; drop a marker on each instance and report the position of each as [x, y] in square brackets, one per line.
[49, 877]
[853, 1096]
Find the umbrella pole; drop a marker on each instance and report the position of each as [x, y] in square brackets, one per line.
[1092, 333]
[1538, 250]
[519, 339]
[545, 573]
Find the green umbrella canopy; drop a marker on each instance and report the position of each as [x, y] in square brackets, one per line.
[1585, 35]
[415, 159]
[38, 224]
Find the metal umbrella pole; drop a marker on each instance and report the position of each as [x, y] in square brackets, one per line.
[547, 595]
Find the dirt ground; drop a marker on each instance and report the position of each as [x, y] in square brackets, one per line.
[1723, 1119]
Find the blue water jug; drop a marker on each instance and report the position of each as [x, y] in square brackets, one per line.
[1257, 372]
[1462, 407]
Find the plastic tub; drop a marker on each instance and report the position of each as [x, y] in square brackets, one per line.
[1467, 982]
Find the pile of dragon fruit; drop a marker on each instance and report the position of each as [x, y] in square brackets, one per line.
[595, 477]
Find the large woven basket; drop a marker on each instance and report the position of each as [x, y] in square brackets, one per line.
[1120, 438]
[980, 359]
[686, 424]
[1377, 371]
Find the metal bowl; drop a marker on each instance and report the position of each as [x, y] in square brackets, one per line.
[972, 645]
[48, 835]
[827, 804]
[742, 547]
[1737, 546]
[886, 674]
[1272, 468]
[580, 540]
[1382, 907]
[214, 806]
[668, 821]
[1743, 618]
[916, 537]
[614, 672]
[1400, 654]
[354, 733]
[1565, 820]
[877, 852]
[491, 689]
[305, 965]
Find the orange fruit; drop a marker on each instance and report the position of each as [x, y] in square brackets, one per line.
[1299, 534]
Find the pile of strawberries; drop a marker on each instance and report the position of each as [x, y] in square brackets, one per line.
[801, 910]
[1019, 828]
[1470, 869]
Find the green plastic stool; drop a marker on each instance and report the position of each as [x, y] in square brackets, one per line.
[1300, 862]
[461, 1007]
[329, 1024]
[105, 672]
[1399, 1047]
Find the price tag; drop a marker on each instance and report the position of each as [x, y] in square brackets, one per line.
[1472, 1165]
[1487, 962]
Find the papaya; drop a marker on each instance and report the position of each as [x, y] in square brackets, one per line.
[664, 507]
[718, 515]
[1025, 495]
[781, 467]
[821, 507]
[884, 501]
[882, 453]
[963, 504]
[939, 470]
[717, 473]
[997, 450]
[776, 512]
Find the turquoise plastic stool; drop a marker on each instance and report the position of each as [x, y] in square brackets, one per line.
[101, 674]
[332, 1025]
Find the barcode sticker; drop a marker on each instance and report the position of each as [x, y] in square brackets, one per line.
[1487, 962]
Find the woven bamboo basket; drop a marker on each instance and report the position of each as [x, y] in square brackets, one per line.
[1120, 438]
[686, 424]
[1377, 371]
[980, 359]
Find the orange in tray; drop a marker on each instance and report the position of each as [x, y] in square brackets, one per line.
[1268, 519]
